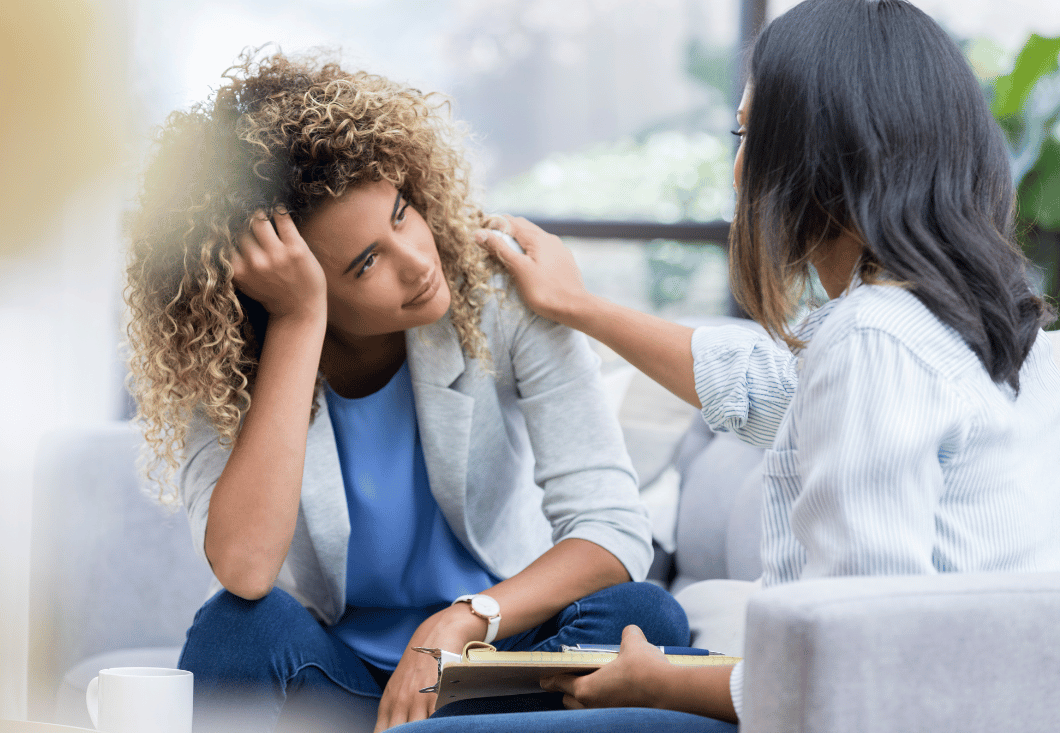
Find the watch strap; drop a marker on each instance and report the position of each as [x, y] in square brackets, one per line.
[493, 623]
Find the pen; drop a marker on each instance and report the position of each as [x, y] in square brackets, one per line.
[676, 650]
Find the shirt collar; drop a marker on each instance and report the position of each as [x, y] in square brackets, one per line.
[808, 327]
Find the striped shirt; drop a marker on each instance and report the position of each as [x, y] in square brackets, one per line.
[891, 451]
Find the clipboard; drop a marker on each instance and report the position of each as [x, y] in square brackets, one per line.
[482, 671]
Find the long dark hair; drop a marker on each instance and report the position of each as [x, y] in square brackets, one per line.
[865, 118]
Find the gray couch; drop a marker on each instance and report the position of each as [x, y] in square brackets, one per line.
[114, 579]
[952, 652]
[115, 582]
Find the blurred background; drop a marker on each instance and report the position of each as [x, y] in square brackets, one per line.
[605, 120]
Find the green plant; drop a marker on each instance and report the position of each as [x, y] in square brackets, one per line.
[1026, 103]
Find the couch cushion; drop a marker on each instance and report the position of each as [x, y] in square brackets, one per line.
[743, 541]
[717, 612]
[110, 567]
[709, 489]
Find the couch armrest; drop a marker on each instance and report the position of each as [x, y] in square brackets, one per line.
[967, 652]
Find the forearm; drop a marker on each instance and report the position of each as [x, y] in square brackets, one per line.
[254, 506]
[570, 570]
[659, 348]
[698, 690]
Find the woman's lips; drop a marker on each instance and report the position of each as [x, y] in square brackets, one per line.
[427, 292]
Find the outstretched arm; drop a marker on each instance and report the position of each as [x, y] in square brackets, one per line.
[550, 283]
[742, 379]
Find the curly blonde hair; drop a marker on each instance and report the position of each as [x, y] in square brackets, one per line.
[279, 132]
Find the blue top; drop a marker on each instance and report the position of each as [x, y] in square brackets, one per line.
[404, 562]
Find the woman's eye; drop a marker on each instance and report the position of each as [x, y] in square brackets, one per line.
[401, 213]
[737, 133]
[368, 262]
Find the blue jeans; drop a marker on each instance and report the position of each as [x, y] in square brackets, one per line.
[600, 720]
[254, 659]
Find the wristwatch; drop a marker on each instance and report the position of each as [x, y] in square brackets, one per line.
[485, 607]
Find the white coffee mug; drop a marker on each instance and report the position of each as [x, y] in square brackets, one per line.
[141, 700]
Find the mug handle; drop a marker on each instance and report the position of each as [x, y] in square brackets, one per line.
[92, 701]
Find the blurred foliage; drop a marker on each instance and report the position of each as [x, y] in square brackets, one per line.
[666, 176]
[672, 265]
[671, 268]
[662, 176]
[1026, 103]
[673, 170]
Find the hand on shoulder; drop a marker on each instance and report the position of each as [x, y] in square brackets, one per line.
[544, 273]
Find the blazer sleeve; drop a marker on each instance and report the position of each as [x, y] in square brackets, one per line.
[590, 486]
[204, 460]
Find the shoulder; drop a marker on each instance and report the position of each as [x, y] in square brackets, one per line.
[201, 433]
[506, 319]
[877, 318]
[504, 309]
[504, 304]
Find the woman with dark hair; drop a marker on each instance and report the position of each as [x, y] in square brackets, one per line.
[375, 448]
[913, 424]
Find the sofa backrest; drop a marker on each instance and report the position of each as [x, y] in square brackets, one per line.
[110, 568]
[719, 516]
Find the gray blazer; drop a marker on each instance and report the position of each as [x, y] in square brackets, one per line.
[517, 460]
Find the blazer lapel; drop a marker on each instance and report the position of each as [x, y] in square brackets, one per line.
[444, 414]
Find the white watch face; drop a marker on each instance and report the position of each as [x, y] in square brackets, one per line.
[486, 606]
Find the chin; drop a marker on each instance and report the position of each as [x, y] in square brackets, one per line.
[438, 307]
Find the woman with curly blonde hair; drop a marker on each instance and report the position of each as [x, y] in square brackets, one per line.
[359, 429]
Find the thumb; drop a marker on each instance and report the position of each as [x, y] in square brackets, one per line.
[558, 683]
[633, 635]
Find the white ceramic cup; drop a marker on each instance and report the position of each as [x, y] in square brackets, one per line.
[141, 700]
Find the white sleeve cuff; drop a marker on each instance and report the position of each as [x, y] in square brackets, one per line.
[736, 688]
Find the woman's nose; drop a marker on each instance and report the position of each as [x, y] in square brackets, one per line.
[415, 262]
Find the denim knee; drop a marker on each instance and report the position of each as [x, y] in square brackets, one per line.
[231, 635]
[653, 609]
